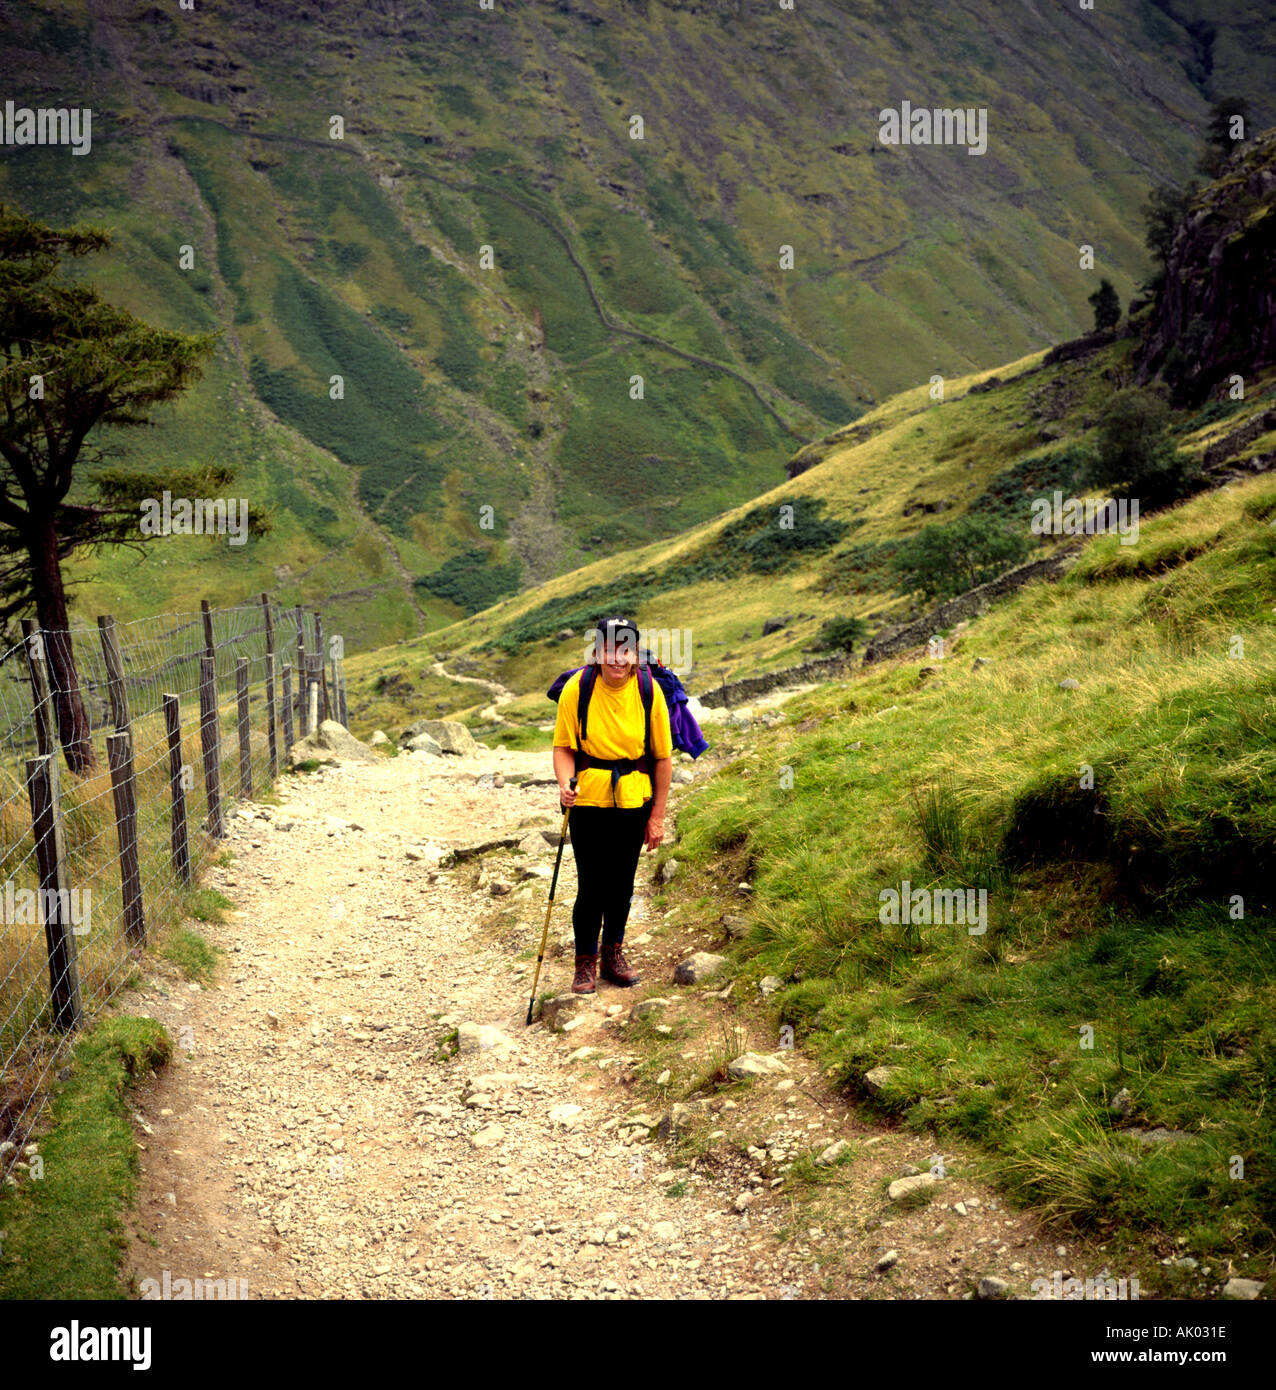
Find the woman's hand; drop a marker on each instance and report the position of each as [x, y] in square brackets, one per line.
[567, 794]
[655, 832]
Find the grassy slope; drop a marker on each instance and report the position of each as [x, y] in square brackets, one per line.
[314, 256]
[1123, 917]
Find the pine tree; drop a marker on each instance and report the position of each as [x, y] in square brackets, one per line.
[69, 363]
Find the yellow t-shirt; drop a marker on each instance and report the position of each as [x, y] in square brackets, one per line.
[615, 731]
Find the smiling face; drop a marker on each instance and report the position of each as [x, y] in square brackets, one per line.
[618, 661]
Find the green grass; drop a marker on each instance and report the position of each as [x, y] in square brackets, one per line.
[62, 1233]
[208, 905]
[196, 959]
[1116, 828]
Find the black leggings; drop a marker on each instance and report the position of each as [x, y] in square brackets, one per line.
[606, 841]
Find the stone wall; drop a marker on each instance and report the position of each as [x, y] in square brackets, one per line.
[742, 691]
[970, 604]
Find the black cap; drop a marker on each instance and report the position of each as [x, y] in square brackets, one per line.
[608, 627]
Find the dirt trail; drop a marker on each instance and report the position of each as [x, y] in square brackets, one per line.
[315, 1138]
[310, 1142]
[501, 694]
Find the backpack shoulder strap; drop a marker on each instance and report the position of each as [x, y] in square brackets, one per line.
[645, 689]
[587, 678]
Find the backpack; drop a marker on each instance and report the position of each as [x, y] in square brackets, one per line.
[683, 728]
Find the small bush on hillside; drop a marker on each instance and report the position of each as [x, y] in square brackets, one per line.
[1135, 456]
[841, 634]
[943, 561]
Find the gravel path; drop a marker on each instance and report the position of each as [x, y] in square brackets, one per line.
[313, 1136]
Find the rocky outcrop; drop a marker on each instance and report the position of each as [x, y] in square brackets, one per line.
[1215, 315]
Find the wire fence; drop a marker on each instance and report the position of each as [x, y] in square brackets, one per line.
[122, 750]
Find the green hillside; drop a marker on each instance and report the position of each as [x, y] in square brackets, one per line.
[466, 388]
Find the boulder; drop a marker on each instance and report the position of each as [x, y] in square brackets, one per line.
[423, 743]
[1243, 1288]
[756, 1064]
[473, 1038]
[378, 738]
[470, 849]
[989, 1287]
[648, 1006]
[700, 965]
[831, 1155]
[309, 750]
[901, 1187]
[768, 985]
[678, 1120]
[488, 1136]
[555, 1012]
[877, 1078]
[339, 741]
[451, 736]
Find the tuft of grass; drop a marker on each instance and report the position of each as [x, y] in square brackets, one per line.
[710, 1072]
[63, 1233]
[208, 905]
[194, 956]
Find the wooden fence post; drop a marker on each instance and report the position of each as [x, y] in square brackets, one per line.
[37, 665]
[177, 791]
[114, 673]
[50, 855]
[210, 742]
[323, 665]
[210, 648]
[245, 745]
[119, 754]
[288, 738]
[271, 717]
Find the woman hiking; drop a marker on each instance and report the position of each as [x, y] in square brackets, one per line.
[619, 801]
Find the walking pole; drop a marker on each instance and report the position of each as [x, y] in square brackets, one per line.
[553, 884]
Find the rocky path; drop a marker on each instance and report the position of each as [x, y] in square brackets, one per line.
[314, 1139]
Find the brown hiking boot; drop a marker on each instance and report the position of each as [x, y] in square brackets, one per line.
[583, 983]
[615, 969]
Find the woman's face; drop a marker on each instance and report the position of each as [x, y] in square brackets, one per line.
[618, 662]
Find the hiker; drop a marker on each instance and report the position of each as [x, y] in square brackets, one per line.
[619, 801]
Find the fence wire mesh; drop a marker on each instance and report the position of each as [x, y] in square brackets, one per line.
[68, 944]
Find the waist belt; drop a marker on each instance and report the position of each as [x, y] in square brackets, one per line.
[618, 767]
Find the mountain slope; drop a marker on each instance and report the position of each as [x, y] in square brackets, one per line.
[509, 388]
